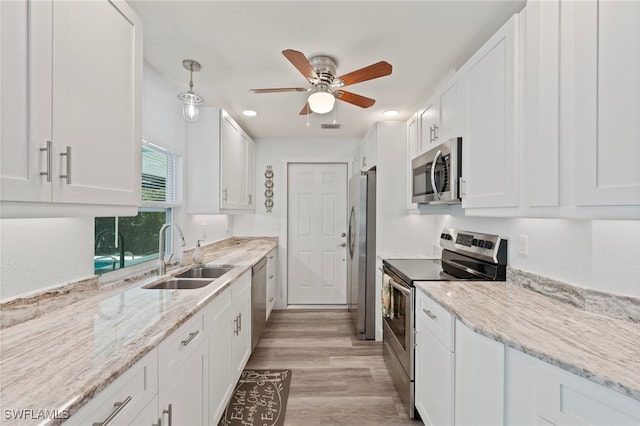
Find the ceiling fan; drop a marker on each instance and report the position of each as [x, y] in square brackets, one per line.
[326, 87]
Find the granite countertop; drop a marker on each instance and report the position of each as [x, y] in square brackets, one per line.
[60, 360]
[600, 348]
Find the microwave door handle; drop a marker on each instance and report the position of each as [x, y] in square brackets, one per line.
[436, 192]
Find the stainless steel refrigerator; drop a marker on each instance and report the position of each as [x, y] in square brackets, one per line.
[361, 253]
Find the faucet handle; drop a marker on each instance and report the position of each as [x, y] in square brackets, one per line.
[169, 260]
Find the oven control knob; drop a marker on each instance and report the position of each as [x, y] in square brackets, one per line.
[474, 242]
[481, 243]
[488, 245]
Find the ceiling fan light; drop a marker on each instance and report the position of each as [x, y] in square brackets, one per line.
[321, 102]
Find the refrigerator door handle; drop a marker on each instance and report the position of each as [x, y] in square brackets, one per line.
[351, 232]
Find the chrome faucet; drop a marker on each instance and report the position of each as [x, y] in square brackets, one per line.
[162, 265]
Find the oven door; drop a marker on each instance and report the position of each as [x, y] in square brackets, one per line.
[398, 321]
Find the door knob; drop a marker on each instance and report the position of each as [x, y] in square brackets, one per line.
[344, 234]
[343, 245]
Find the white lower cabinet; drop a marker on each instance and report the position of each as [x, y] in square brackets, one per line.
[182, 359]
[188, 379]
[479, 383]
[434, 366]
[241, 323]
[271, 280]
[540, 393]
[126, 398]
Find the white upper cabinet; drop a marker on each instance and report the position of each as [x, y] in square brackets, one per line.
[221, 165]
[444, 115]
[490, 151]
[541, 104]
[369, 150]
[607, 103]
[71, 103]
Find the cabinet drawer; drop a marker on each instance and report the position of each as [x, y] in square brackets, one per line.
[436, 319]
[178, 346]
[125, 398]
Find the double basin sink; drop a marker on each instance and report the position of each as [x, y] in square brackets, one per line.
[197, 277]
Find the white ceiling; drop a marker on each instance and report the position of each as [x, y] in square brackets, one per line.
[239, 45]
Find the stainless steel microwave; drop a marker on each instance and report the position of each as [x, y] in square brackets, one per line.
[436, 174]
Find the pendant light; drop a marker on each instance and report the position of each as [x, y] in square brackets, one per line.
[190, 100]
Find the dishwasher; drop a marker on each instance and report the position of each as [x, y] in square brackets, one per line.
[258, 301]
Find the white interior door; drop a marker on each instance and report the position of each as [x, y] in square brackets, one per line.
[317, 233]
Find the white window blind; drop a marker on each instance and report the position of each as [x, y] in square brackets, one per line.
[158, 176]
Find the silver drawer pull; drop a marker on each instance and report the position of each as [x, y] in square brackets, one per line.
[429, 314]
[168, 411]
[48, 151]
[68, 155]
[236, 331]
[188, 340]
[117, 407]
[240, 322]
[271, 299]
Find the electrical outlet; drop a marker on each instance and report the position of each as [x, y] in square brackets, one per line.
[204, 230]
[523, 245]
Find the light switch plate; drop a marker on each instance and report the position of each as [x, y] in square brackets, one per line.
[523, 245]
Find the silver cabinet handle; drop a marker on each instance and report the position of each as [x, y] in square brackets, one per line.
[224, 194]
[159, 422]
[435, 132]
[117, 407]
[431, 134]
[364, 161]
[188, 340]
[429, 314]
[236, 330]
[68, 155]
[169, 413]
[240, 322]
[49, 158]
[249, 196]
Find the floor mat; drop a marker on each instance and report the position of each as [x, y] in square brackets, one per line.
[260, 398]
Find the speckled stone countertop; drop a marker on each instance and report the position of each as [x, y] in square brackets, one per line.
[600, 348]
[63, 358]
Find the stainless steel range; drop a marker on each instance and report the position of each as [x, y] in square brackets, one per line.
[466, 256]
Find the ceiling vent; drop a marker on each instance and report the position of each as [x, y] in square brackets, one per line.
[330, 126]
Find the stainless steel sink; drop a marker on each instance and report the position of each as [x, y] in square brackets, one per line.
[206, 272]
[179, 284]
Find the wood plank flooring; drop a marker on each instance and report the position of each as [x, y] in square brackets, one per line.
[336, 378]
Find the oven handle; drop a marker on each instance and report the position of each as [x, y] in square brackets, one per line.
[402, 289]
[433, 174]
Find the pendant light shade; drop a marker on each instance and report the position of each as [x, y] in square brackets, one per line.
[321, 101]
[190, 100]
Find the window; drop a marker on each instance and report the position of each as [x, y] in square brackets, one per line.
[125, 241]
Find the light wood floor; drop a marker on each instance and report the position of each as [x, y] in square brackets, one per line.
[336, 378]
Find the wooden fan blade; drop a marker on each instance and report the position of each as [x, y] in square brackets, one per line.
[301, 63]
[280, 89]
[379, 69]
[352, 98]
[306, 110]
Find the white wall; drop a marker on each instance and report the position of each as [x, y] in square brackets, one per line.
[41, 253]
[602, 255]
[276, 152]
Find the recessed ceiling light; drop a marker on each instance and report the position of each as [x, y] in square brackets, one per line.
[249, 113]
[391, 112]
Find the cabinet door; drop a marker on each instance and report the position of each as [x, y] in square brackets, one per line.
[413, 147]
[221, 383]
[428, 126]
[233, 176]
[241, 323]
[434, 378]
[479, 383]
[607, 132]
[452, 108]
[97, 90]
[25, 107]
[182, 399]
[251, 173]
[490, 166]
